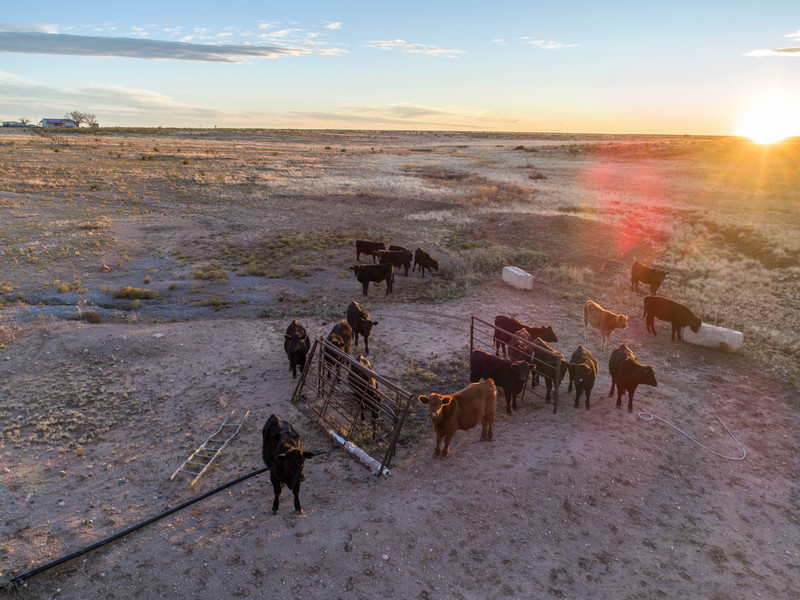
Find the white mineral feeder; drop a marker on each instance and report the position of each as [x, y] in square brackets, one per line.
[711, 336]
[518, 278]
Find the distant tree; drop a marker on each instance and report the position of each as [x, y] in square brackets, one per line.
[24, 121]
[76, 116]
[91, 119]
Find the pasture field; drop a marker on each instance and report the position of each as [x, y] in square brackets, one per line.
[194, 249]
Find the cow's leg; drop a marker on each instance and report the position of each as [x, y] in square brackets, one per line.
[437, 451]
[365, 287]
[613, 384]
[447, 439]
[366, 345]
[548, 383]
[630, 399]
[276, 488]
[587, 392]
[674, 329]
[296, 491]
[577, 396]
[619, 396]
[489, 427]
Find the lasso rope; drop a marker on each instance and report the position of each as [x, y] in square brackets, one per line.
[648, 416]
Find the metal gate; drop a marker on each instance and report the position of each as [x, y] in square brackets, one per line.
[482, 337]
[358, 408]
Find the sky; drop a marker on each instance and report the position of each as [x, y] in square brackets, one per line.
[658, 67]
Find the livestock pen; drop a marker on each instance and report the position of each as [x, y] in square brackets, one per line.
[482, 335]
[355, 406]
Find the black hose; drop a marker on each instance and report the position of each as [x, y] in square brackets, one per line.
[63, 559]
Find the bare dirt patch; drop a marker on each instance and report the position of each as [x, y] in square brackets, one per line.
[237, 233]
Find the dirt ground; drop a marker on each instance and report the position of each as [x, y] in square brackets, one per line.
[580, 504]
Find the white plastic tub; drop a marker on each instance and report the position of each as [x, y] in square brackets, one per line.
[711, 336]
[518, 278]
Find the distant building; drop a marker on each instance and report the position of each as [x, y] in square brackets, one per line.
[13, 124]
[58, 123]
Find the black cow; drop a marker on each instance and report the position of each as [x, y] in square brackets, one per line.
[627, 374]
[547, 360]
[340, 336]
[365, 390]
[393, 248]
[511, 376]
[664, 309]
[296, 344]
[424, 261]
[283, 454]
[645, 274]
[368, 248]
[376, 273]
[398, 258]
[504, 325]
[360, 323]
[583, 372]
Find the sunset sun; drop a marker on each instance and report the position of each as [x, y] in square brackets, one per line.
[770, 121]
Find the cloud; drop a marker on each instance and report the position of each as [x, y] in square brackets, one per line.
[336, 25]
[412, 48]
[39, 28]
[792, 51]
[547, 44]
[76, 45]
[795, 35]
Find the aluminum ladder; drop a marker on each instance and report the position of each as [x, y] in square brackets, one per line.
[201, 459]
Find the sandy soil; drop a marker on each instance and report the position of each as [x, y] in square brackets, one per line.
[578, 504]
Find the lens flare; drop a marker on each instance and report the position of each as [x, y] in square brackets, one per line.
[770, 121]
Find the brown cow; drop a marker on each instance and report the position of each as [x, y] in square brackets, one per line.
[602, 319]
[475, 404]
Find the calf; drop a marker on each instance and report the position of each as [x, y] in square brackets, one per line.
[365, 390]
[475, 404]
[511, 376]
[645, 274]
[283, 454]
[340, 336]
[504, 325]
[368, 248]
[583, 372]
[627, 374]
[602, 319]
[664, 309]
[296, 345]
[550, 363]
[521, 349]
[360, 323]
[398, 258]
[377, 273]
[424, 261]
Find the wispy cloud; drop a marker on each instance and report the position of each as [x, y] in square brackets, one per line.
[123, 47]
[546, 44]
[412, 48]
[336, 25]
[791, 51]
[788, 51]
[40, 27]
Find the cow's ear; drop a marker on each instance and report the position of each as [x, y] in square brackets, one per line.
[423, 399]
[307, 454]
[281, 457]
[446, 400]
[374, 323]
[287, 336]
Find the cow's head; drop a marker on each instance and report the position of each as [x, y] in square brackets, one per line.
[365, 325]
[435, 402]
[519, 371]
[695, 323]
[550, 334]
[434, 264]
[659, 276]
[622, 322]
[356, 269]
[579, 371]
[291, 464]
[649, 375]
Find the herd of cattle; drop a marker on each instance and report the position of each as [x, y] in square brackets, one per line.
[396, 257]
[520, 351]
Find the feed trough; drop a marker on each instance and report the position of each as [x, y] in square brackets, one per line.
[518, 278]
[711, 336]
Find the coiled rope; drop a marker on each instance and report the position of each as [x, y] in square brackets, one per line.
[648, 416]
[63, 559]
